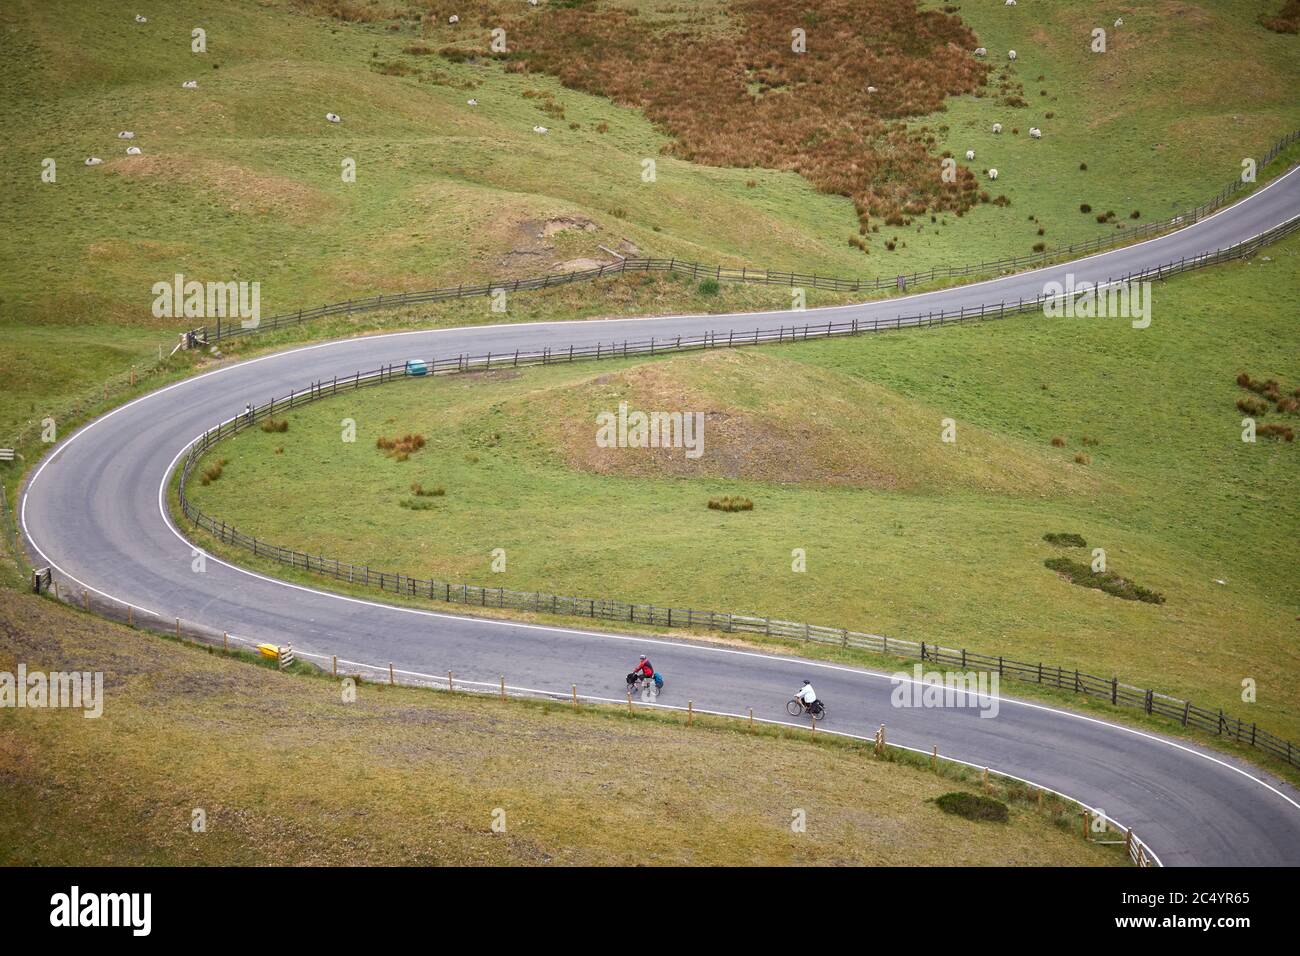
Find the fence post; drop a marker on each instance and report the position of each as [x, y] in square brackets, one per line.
[690, 712]
[450, 686]
[575, 696]
[934, 759]
[751, 722]
[503, 686]
[391, 678]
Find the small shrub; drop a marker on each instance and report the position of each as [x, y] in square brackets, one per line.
[415, 504]
[731, 503]
[1273, 430]
[1135, 214]
[400, 449]
[420, 491]
[973, 806]
[1089, 440]
[1082, 458]
[1085, 208]
[1058, 441]
[602, 127]
[1039, 246]
[1065, 539]
[273, 425]
[1108, 581]
[212, 472]
[1083, 167]
[709, 287]
[1251, 406]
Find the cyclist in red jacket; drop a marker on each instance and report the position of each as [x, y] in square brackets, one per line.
[646, 671]
[642, 669]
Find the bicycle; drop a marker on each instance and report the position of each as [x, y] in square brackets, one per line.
[646, 685]
[795, 707]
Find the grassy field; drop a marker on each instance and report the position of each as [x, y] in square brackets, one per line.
[288, 774]
[240, 179]
[838, 446]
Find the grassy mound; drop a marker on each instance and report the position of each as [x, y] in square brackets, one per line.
[973, 806]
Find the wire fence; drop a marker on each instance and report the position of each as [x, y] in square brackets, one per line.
[696, 270]
[1117, 692]
[112, 609]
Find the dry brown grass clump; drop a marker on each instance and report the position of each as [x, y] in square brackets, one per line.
[1286, 20]
[731, 503]
[740, 97]
[212, 472]
[400, 449]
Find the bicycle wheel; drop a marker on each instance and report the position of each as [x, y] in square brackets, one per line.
[821, 713]
[793, 708]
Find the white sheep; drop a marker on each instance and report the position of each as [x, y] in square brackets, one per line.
[1035, 133]
[93, 161]
[190, 85]
[993, 174]
[997, 127]
[970, 154]
[453, 19]
[334, 117]
[981, 51]
[1119, 21]
[1010, 3]
[126, 134]
[540, 129]
[1011, 54]
[133, 151]
[140, 19]
[871, 89]
[471, 102]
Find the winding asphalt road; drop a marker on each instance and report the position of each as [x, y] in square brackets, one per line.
[94, 510]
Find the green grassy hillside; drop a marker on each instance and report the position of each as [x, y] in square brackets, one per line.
[241, 178]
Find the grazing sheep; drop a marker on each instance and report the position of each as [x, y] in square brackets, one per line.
[540, 129]
[453, 19]
[1010, 3]
[1011, 54]
[981, 51]
[93, 161]
[471, 102]
[334, 117]
[126, 134]
[1035, 133]
[970, 154]
[871, 89]
[1119, 21]
[993, 174]
[133, 151]
[997, 127]
[140, 19]
[190, 85]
